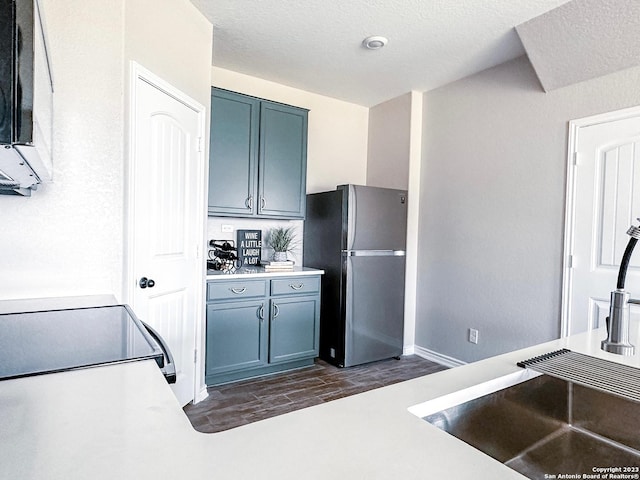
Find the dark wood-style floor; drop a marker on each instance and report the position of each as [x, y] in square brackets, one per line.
[247, 401]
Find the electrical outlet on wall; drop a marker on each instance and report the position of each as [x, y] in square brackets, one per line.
[227, 228]
[473, 335]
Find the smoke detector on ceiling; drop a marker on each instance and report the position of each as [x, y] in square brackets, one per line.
[375, 42]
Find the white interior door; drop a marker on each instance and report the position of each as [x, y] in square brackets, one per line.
[166, 223]
[607, 201]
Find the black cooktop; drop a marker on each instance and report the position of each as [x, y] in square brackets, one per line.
[36, 343]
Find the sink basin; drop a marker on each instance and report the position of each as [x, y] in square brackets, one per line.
[541, 426]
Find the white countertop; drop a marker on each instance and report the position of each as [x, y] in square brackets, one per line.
[259, 272]
[122, 422]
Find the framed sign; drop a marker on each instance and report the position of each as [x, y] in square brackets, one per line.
[249, 247]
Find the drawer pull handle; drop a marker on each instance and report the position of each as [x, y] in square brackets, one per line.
[261, 312]
[297, 287]
[276, 310]
[238, 291]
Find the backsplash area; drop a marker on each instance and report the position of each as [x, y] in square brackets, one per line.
[215, 227]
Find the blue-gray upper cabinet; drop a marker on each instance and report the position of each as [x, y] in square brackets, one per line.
[233, 154]
[258, 157]
[283, 161]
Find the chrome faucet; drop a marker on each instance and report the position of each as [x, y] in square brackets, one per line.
[617, 340]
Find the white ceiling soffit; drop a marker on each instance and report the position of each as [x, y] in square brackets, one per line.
[582, 39]
[315, 45]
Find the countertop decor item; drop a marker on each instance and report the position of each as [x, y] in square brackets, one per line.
[281, 239]
[249, 247]
[223, 256]
[275, 266]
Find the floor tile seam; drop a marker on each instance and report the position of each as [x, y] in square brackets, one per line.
[286, 391]
[241, 411]
[298, 400]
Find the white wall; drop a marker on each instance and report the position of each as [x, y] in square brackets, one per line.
[67, 239]
[492, 206]
[173, 40]
[337, 130]
[388, 143]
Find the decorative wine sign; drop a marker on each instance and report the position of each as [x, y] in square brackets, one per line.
[249, 247]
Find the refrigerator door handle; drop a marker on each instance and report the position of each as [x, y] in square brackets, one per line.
[374, 253]
[351, 216]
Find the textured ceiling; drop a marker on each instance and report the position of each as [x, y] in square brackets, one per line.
[583, 39]
[315, 45]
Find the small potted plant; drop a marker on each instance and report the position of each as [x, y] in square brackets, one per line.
[281, 240]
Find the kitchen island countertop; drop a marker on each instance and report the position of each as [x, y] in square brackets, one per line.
[123, 422]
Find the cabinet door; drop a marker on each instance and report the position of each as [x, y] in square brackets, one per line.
[236, 337]
[294, 328]
[283, 161]
[233, 151]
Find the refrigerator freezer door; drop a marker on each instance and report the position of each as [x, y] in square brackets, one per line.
[376, 218]
[323, 240]
[374, 308]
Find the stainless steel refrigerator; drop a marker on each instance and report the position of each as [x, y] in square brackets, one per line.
[357, 234]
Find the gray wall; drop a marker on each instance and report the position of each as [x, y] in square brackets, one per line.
[388, 145]
[492, 206]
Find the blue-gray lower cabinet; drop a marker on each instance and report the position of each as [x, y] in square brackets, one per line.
[293, 329]
[236, 336]
[256, 327]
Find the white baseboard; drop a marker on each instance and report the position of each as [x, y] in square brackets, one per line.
[408, 350]
[436, 357]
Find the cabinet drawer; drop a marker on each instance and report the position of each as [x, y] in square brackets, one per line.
[293, 285]
[236, 290]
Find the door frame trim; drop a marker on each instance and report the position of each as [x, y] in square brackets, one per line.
[138, 72]
[569, 215]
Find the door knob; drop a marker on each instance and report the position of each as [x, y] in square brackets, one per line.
[146, 282]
